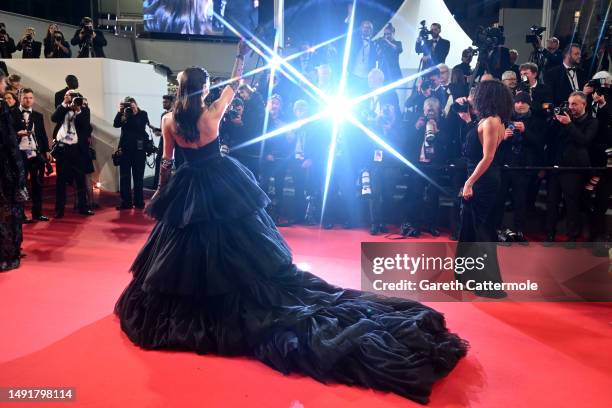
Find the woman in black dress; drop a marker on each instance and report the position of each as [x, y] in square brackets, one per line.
[493, 104]
[12, 191]
[216, 276]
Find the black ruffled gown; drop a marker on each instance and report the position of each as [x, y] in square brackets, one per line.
[216, 276]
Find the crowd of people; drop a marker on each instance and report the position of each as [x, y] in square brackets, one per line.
[558, 140]
[561, 120]
[89, 41]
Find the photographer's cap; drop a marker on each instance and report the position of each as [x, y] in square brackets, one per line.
[523, 97]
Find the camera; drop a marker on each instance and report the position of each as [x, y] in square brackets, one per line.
[77, 100]
[58, 38]
[126, 107]
[430, 134]
[28, 37]
[461, 107]
[523, 85]
[423, 31]
[536, 35]
[597, 83]
[562, 109]
[488, 38]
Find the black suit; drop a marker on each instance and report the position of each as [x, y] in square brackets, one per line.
[73, 161]
[569, 147]
[95, 50]
[539, 95]
[438, 53]
[35, 166]
[559, 85]
[32, 52]
[7, 48]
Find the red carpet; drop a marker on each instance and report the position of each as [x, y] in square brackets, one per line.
[57, 330]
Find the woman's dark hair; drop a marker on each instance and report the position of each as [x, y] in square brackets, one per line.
[188, 105]
[457, 77]
[493, 98]
[175, 16]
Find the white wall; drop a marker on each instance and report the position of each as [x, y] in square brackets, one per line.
[104, 83]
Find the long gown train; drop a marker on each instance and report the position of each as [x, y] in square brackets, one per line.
[216, 276]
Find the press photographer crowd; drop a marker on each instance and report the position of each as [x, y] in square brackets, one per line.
[556, 154]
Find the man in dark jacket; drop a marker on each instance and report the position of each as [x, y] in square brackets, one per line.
[34, 146]
[567, 77]
[569, 148]
[89, 40]
[72, 150]
[522, 146]
[434, 50]
[7, 44]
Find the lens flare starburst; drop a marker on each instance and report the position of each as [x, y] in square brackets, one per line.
[337, 106]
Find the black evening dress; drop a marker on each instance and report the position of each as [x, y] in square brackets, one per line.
[12, 181]
[216, 276]
[477, 235]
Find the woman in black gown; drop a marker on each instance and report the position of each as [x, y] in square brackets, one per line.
[494, 104]
[12, 191]
[216, 276]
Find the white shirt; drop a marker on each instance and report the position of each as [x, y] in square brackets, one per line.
[363, 57]
[27, 144]
[572, 76]
[67, 132]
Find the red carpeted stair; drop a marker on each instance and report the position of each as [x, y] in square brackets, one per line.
[57, 330]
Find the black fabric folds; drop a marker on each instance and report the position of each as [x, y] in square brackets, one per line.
[217, 277]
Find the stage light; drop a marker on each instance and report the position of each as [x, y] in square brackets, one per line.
[98, 185]
[339, 108]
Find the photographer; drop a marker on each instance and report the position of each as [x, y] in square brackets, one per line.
[575, 131]
[566, 78]
[381, 114]
[509, 79]
[305, 166]
[466, 60]
[89, 40]
[167, 104]
[601, 182]
[71, 150]
[552, 54]
[55, 45]
[434, 50]
[253, 120]
[523, 145]
[7, 44]
[29, 47]
[277, 154]
[414, 104]
[493, 57]
[231, 126]
[34, 147]
[461, 119]
[537, 91]
[362, 57]
[427, 146]
[133, 123]
[389, 51]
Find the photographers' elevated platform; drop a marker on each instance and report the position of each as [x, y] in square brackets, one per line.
[104, 82]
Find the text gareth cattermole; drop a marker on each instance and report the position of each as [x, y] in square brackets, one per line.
[413, 264]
